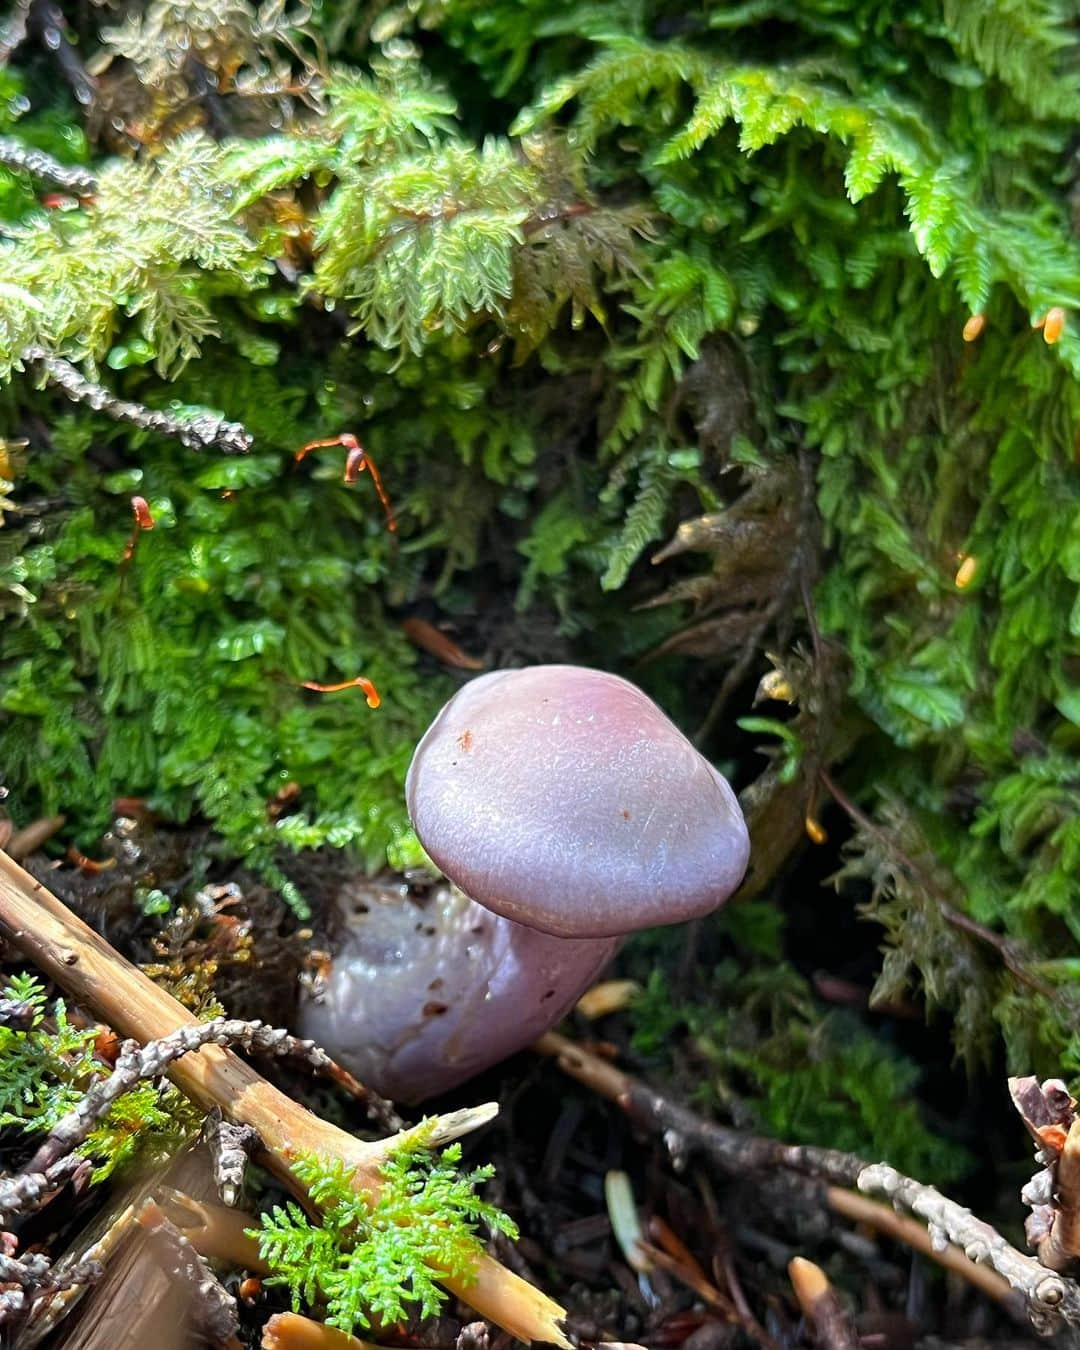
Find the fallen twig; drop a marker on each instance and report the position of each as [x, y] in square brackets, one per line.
[1050, 1299]
[213, 1309]
[205, 431]
[28, 1190]
[912, 1233]
[35, 1277]
[139, 1062]
[46, 1317]
[72, 177]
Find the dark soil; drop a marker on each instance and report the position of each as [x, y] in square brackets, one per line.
[553, 1142]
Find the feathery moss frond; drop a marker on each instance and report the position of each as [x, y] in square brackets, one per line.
[377, 1258]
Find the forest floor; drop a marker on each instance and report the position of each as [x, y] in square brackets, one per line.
[719, 1242]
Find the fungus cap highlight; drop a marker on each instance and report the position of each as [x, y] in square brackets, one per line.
[564, 799]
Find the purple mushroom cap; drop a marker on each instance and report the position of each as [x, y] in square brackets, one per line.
[564, 799]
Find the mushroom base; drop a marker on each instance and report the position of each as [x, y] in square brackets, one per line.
[423, 993]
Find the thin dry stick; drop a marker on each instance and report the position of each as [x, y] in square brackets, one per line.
[1051, 1299]
[28, 1190]
[100, 1252]
[138, 1062]
[72, 177]
[119, 994]
[205, 431]
[213, 1309]
[909, 1231]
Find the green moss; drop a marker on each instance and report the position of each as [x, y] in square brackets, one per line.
[581, 273]
[754, 1045]
[376, 1259]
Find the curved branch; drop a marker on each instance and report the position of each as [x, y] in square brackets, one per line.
[1051, 1299]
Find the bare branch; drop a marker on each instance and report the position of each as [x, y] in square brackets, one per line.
[28, 1190]
[34, 1276]
[861, 1209]
[71, 177]
[213, 1309]
[205, 431]
[137, 1063]
[1050, 1298]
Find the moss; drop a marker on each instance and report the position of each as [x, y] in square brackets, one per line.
[717, 273]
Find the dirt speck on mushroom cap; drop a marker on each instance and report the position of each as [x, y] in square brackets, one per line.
[565, 799]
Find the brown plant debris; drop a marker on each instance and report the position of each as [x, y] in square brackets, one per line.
[1052, 1300]
[1049, 1113]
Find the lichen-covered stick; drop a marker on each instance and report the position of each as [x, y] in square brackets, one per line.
[204, 431]
[114, 990]
[1050, 1299]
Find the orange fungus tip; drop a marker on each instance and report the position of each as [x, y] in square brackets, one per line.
[965, 573]
[814, 831]
[974, 327]
[1054, 325]
[360, 682]
[354, 464]
[141, 510]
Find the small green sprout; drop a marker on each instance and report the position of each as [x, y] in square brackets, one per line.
[374, 1259]
[43, 1072]
[46, 1067]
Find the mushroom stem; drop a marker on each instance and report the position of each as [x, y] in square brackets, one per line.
[114, 990]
